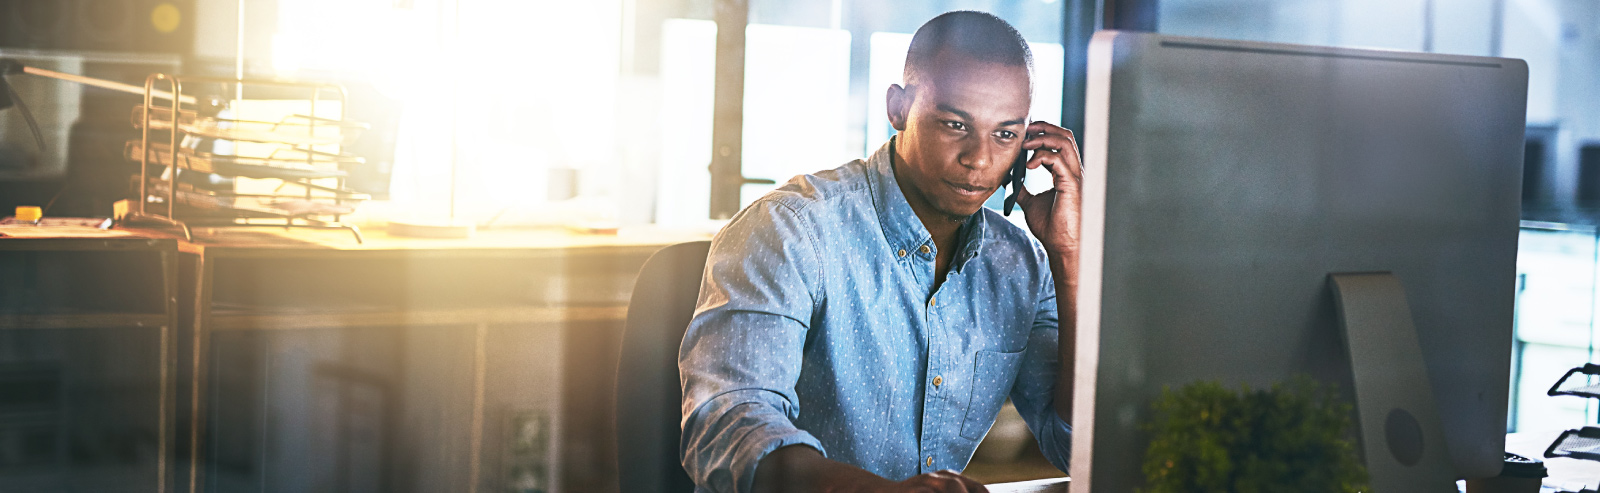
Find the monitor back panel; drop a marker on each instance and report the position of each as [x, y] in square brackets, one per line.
[1225, 180]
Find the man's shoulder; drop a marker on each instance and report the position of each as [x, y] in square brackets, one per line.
[804, 193]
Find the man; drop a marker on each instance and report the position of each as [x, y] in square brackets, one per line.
[859, 328]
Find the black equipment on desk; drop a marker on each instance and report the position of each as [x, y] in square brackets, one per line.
[1582, 443]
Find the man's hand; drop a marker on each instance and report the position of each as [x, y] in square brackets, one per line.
[945, 481]
[1055, 215]
[802, 469]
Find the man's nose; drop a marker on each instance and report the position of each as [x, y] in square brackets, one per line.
[977, 153]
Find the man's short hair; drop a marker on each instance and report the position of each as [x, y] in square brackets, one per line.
[976, 34]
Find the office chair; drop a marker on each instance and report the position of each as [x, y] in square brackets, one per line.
[649, 395]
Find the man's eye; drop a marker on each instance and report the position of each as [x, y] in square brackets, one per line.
[1007, 134]
[955, 125]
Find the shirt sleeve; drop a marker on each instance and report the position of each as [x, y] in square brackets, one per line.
[741, 354]
[1034, 392]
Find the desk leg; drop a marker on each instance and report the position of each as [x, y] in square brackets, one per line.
[200, 352]
[167, 412]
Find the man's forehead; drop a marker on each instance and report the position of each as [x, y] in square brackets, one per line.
[966, 84]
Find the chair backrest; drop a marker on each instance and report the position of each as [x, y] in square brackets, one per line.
[649, 396]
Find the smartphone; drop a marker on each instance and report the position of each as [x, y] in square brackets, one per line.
[1019, 170]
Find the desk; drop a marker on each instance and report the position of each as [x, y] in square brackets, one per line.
[305, 361]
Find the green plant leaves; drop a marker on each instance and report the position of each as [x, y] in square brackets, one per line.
[1296, 436]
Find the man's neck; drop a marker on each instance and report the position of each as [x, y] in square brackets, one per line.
[942, 227]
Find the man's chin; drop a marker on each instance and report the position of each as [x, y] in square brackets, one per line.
[960, 211]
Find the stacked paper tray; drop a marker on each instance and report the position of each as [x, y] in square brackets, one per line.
[292, 166]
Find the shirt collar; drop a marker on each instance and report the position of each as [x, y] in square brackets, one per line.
[976, 231]
[901, 227]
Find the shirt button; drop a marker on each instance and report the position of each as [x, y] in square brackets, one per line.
[924, 249]
[934, 301]
[930, 461]
[902, 252]
[937, 381]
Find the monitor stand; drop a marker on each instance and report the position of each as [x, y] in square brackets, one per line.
[1400, 431]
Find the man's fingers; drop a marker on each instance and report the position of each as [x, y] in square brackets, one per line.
[1040, 126]
[1063, 166]
[1054, 145]
[1041, 135]
[972, 485]
[946, 482]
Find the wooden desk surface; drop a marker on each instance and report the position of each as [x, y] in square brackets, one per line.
[266, 240]
[378, 239]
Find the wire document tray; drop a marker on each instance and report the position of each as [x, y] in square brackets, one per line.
[1580, 388]
[1578, 444]
[301, 152]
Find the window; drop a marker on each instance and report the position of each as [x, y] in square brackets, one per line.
[815, 77]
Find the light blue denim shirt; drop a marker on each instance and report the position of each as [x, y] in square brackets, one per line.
[818, 324]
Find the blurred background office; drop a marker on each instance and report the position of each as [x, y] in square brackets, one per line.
[642, 116]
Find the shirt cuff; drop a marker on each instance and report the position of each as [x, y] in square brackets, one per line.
[760, 448]
[726, 439]
[1056, 444]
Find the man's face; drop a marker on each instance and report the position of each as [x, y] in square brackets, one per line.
[960, 127]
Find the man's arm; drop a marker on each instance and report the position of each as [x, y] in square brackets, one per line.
[1055, 217]
[1064, 271]
[741, 354]
[1037, 392]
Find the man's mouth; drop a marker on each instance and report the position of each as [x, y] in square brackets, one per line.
[968, 189]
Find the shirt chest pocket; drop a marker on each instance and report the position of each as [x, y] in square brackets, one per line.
[992, 376]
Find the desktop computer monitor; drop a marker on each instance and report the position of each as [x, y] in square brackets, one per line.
[1226, 180]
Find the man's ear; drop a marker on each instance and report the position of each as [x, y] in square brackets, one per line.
[899, 99]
